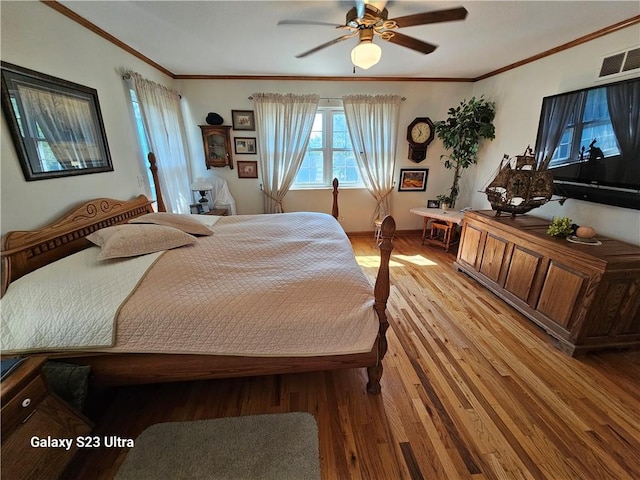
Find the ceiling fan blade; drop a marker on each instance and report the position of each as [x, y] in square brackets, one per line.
[325, 45]
[307, 22]
[438, 16]
[410, 42]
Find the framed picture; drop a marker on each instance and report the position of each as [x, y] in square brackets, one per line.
[196, 208]
[56, 125]
[243, 120]
[247, 169]
[433, 203]
[413, 179]
[245, 145]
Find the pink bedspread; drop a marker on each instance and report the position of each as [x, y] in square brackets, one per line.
[261, 285]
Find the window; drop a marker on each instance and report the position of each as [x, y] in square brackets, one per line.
[595, 124]
[329, 153]
[142, 137]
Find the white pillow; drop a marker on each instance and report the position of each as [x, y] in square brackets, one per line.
[133, 240]
[175, 220]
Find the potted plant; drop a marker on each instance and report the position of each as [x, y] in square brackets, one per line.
[445, 201]
[461, 133]
[560, 227]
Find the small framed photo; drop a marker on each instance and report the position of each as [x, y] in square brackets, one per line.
[413, 179]
[245, 145]
[196, 208]
[243, 120]
[247, 169]
[433, 203]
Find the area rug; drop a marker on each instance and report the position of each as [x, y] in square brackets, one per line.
[276, 446]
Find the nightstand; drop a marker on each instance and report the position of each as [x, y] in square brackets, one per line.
[30, 410]
[221, 212]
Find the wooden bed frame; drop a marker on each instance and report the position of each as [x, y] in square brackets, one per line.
[25, 251]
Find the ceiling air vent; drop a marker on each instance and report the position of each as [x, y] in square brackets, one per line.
[611, 65]
[632, 61]
[620, 63]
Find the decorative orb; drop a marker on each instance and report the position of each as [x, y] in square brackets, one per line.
[585, 232]
[214, 119]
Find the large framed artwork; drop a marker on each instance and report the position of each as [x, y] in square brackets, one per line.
[56, 125]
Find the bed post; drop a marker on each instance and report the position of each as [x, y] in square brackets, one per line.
[381, 295]
[334, 209]
[156, 182]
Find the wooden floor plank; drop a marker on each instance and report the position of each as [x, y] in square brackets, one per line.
[471, 390]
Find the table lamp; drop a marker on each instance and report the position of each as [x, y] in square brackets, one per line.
[202, 186]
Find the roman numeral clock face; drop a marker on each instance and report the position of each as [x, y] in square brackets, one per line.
[419, 135]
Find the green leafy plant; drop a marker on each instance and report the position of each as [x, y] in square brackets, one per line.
[461, 133]
[560, 227]
[445, 199]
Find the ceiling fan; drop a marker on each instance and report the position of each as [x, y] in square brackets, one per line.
[370, 19]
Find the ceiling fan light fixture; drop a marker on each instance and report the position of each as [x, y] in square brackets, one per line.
[365, 55]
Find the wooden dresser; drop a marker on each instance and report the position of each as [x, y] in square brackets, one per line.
[30, 410]
[585, 296]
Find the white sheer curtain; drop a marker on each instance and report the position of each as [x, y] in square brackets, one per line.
[283, 127]
[373, 127]
[162, 118]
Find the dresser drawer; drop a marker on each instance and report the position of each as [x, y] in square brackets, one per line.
[30, 410]
[20, 407]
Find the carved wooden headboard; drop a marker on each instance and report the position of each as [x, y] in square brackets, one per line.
[25, 251]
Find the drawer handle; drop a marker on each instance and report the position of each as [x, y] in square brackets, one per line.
[26, 402]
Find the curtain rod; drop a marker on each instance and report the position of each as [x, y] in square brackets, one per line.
[332, 98]
[127, 76]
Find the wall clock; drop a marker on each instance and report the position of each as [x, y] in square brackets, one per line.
[420, 134]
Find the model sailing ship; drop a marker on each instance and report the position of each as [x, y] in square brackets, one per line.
[519, 186]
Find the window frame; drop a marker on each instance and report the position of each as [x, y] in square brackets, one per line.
[328, 150]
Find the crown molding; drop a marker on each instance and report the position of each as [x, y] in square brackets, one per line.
[320, 78]
[574, 43]
[107, 36]
[58, 7]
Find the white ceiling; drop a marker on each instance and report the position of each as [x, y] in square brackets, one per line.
[243, 38]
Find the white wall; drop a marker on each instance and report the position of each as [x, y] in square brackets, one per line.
[356, 205]
[37, 37]
[518, 95]
[62, 48]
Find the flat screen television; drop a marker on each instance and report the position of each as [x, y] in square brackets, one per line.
[590, 140]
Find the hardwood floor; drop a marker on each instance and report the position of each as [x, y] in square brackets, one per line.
[470, 390]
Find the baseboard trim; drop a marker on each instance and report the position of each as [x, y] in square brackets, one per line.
[399, 233]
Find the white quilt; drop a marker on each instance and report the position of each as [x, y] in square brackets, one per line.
[261, 285]
[69, 304]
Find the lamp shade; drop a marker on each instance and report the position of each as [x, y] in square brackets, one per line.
[201, 185]
[365, 55]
